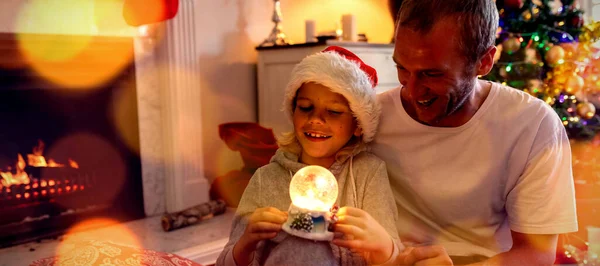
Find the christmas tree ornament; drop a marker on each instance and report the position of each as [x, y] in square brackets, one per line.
[527, 15]
[559, 51]
[513, 4]
[532, 56]
[575, 20]
[313, 191]
[574, 84]
[511, 44]
[592, 83]
[595, 64]
[555, 55]
[590, 33]
[570, 49]
[559, 79]
[583, 52]
[586, 110]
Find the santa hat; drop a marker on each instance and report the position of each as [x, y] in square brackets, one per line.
[342, 72]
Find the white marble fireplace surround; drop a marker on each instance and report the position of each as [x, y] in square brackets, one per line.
[169, 114]
[171, 152]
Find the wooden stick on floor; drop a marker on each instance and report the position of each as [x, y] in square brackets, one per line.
[193, 215]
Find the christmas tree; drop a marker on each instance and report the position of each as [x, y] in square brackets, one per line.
[545, 49]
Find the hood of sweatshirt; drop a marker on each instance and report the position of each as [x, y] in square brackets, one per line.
[291, 162]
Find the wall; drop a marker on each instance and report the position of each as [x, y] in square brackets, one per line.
[227, 33]
[372, 17]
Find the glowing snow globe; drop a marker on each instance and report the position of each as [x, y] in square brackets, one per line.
[313, 191]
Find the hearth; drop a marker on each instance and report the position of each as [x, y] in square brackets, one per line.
[69, 141]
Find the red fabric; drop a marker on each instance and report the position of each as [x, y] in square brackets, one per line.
[140, 12]
[256, 144]
[231, 186]
[371, 72]
[103, 253]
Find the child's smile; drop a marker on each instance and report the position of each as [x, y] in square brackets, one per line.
[314, 136]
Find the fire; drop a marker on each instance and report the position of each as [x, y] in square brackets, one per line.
[35, 159]
[20, 176]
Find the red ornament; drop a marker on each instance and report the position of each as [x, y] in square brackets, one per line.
[577, 21]
[513, 4]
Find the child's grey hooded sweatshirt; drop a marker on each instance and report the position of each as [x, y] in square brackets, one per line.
[269, 187]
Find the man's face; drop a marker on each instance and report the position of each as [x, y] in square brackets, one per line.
[435, 76]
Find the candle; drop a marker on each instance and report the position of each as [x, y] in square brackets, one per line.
[311, 30]
[349, 28]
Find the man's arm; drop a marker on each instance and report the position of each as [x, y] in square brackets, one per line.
[527, 249]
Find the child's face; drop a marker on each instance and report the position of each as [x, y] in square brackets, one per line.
[323, 123]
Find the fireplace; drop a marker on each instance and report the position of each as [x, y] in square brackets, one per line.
[69, 143]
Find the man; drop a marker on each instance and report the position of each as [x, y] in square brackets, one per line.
[480, 172]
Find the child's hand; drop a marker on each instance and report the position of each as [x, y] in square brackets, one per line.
[264, 223]
[363, 233]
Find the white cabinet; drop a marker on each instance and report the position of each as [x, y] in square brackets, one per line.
[275, 65]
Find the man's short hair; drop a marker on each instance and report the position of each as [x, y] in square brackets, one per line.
[477, 21]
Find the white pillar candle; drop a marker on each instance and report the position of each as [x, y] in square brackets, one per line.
[349, 32]
[311, 31]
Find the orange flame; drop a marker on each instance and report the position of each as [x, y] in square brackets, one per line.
[36, 159]
[20, 176]
[73, 164]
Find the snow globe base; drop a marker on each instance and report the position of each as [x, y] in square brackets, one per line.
[308, 224]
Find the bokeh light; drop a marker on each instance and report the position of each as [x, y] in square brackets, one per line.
[60, 41]
[96, 157]
[70, 251]
[125, 115]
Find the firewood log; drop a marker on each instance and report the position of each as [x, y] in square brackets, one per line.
[192, 215]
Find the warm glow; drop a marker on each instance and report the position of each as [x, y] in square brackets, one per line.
[108, 17]
[372, 17]
[80, 62]
[35, 159]
[124, 114]
[57, 16]
[100, 229]
[74, 54]
[314, 188]
[19, 177]
[73, 164]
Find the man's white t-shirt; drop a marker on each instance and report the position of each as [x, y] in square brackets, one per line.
[508, 168]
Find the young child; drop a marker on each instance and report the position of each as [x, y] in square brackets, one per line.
[331, 102]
